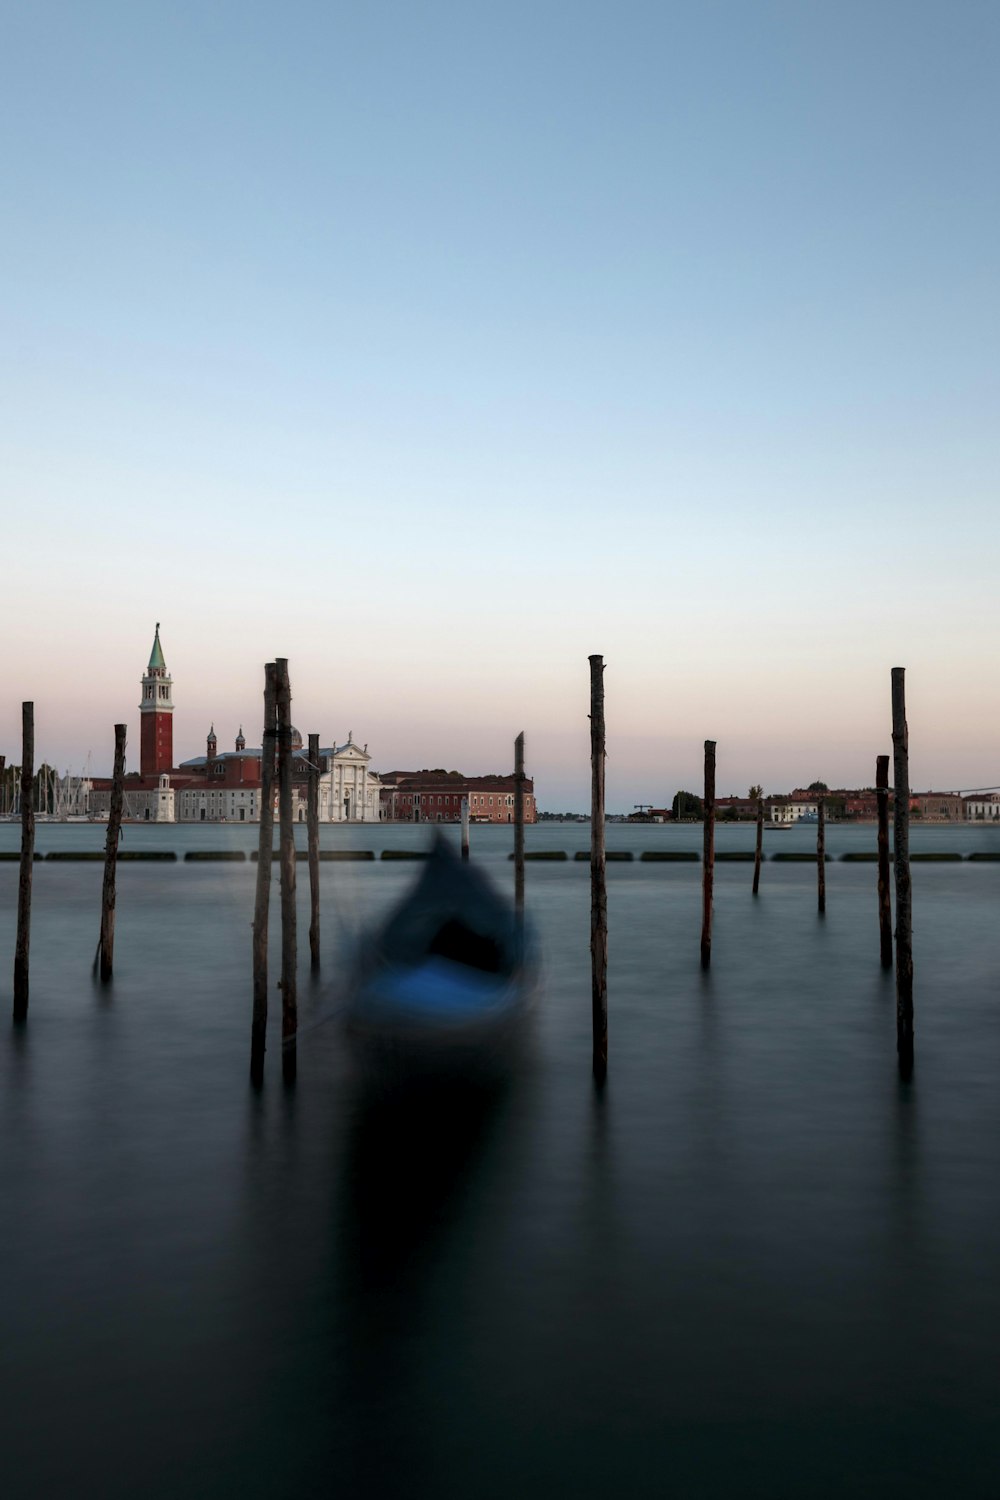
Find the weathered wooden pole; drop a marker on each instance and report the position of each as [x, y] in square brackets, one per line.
[289, 992]
[22, 942]
[106, 944]
[262, 898]
[820, 856]
[901, 841]
[465, 827]
[708, 869]
[519, 824]
[312, 818]
[759, 849]
[3, 785]
[884, 902]
[598, 874]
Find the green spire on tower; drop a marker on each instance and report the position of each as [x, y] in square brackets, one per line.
[156, 655]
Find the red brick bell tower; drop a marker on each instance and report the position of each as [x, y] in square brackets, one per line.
[156, 715]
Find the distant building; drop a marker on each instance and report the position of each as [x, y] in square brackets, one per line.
[349, 790]
[735, 807]
[982, 807]
[156, 715]
[862, 806]
[436, 797]
[938, 807]
[787, 810]
[225, 786]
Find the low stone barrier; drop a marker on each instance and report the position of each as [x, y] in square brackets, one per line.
[581, 856]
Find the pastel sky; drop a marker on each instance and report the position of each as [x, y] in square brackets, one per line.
[438, 345]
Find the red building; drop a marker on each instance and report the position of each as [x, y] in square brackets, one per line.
[156, 715]
[211, 787]
[436, 797]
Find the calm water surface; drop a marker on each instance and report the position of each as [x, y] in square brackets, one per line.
[755, 1264]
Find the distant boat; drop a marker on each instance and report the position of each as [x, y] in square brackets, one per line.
[807, 818]
[449, 976]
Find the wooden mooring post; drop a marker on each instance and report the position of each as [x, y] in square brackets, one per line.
[821, 856]
[465, 827]
[22, 943]
[289, 990]
[598, 874]
[901, 841]
[884, 901]
[708, 854]
[106, 942]
[312, 819]
[262, 898]
[758, 854]
[519, 824]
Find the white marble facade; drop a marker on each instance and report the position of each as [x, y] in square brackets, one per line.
[348, 790]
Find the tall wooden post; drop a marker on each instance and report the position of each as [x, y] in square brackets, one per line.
[884, 902]
[106, 946]
[465, 827]
[821, 856]
[901, 840]
[598, 874]
[759, 849]
[312, 817]
[519, 824]
[289, 991]
[3, 786]
[262, 898]
[708, 870]
[22, 942]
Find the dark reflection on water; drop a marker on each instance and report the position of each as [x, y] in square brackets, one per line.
[755, 1263]
[409, 1154]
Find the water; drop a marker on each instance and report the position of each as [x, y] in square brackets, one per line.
[755, 1264]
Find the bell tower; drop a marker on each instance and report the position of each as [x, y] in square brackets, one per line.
[156, 715]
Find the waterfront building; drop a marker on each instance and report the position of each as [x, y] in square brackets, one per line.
[938, 807]
[982, 807]
[731, 808]
[220, 788]
[349, 790]
[788, 810]
[436, 797]
[225, 786]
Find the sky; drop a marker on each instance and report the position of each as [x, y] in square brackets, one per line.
[438, 346]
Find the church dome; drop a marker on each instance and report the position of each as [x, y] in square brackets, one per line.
[296, 739]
